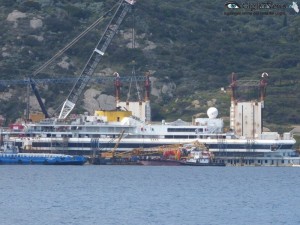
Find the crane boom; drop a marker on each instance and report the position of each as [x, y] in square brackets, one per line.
[92, 63]
[117, 143]
[38, 97]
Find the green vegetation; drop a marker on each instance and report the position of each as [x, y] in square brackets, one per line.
[197, 48]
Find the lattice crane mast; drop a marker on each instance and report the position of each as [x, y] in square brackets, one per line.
[91, 65]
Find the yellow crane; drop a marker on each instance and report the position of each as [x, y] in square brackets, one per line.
[112, 153]
[117, 143]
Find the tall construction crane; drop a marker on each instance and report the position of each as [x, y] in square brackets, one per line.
[91, 65]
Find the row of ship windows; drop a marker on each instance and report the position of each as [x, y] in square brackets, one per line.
[194, 137]
[113, 130]
[91, 145]
[259, 161]
[185, 130]
[115, 136]
[138, 145]
[240, 146]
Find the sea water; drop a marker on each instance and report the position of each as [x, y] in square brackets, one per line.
[89, 194]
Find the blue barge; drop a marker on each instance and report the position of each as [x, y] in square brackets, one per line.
[10, 155]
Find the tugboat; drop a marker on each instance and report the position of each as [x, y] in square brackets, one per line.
[201, 156]
[10, 155]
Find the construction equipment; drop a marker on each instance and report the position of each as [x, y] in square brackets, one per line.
[117, 143]
[96, 56]
[38, 97]
[109, 156]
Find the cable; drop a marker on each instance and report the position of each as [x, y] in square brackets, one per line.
[75, 40]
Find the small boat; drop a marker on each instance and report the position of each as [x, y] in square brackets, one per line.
[10, 155]
[201, 157]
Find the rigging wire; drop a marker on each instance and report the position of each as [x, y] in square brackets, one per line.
[75, 40]
[133, 74]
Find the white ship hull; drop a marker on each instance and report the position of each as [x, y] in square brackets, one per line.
[128, 144]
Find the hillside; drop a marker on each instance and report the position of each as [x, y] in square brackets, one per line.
[190, 47]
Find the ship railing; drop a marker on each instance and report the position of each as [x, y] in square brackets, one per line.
[5, 129]
[136, 118]
[213, 130]
[8, 131]
[171, 123]
[52, 122]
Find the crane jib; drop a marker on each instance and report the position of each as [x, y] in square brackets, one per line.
[95, 57]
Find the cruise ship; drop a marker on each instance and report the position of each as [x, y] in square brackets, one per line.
[130, 127]
[86, 135]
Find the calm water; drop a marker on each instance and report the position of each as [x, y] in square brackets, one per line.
[149, 195]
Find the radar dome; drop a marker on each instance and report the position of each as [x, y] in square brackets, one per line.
[212, 113]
